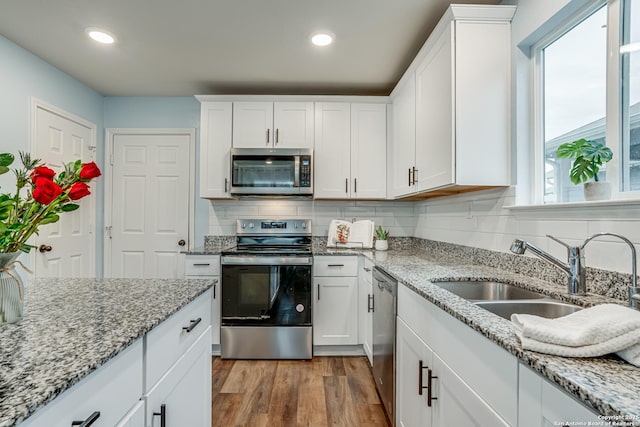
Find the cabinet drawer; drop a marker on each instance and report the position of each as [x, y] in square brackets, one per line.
[111, 390]
[202, 265]
[169, 341]
[335, 266]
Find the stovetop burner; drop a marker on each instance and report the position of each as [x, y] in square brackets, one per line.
[272, 237]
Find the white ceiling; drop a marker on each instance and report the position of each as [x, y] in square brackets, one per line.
[187, 47]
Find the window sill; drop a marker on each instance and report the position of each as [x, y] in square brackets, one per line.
[577, 205]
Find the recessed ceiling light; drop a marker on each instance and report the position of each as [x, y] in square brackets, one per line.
[101, 36]
[323, 38]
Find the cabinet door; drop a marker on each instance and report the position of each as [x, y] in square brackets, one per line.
[369, 151]
[402, 151]
[434, 115]
[293, 124]
[365, 307]
[411, 395]
[456, 404]
[335, 311]
[134, 418]
[332, 154]
[185, 390]
[215, 143]
[252, 124]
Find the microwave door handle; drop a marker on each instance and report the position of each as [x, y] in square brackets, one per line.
[296, 174]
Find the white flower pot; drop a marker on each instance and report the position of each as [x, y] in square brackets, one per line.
[600, 190]
[382, 245]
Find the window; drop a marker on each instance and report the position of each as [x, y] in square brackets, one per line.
[630, 66]
[575, 74]
[574, 69]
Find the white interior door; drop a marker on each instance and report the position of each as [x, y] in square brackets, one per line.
[68, 246]
[150, 199]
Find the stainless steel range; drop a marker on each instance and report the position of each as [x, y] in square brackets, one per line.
[266, 291]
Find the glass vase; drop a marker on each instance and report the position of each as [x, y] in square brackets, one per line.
[11, 289]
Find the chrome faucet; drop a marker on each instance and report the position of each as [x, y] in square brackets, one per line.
[574, 268]
[577, 283]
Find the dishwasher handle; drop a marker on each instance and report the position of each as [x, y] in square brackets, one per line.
[384, 281]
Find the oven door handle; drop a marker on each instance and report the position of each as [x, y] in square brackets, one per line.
[265, 260]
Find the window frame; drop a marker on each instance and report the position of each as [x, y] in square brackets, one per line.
[614, 120]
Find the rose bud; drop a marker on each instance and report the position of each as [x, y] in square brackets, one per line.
[45, 191]
[78, 191]
[42, 172]
[90, 171]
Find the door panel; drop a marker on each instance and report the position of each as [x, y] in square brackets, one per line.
[150, 204]
[59, 140]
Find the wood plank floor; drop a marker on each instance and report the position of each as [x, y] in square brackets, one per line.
[325, 391]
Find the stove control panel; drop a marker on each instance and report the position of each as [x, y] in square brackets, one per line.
[270, 226]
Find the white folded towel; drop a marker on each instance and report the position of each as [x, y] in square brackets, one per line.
[595, 331]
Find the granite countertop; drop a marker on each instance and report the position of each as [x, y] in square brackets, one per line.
[73, 326]
[607, 384]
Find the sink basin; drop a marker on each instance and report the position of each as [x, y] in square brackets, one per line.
[487, 291]
[545, 308]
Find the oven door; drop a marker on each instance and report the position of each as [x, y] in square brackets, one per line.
[266, 291]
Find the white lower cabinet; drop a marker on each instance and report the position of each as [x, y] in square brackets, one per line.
[542, 404]
[365, 307]
[335, 303]
[208, 267]
[107, 394]
[135, 417]
[183, 395]
[471, 380]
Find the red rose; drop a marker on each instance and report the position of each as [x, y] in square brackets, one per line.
[90, 171]
[42, 172]
[45, 191]
[79, 190]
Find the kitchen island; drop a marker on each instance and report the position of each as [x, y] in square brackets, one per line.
[72, 327]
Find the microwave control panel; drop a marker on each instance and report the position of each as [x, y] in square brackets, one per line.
[305, 171]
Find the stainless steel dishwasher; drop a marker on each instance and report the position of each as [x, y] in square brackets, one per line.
[384, 338]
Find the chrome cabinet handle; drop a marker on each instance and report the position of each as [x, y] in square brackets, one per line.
[430, 378]
[268, 130]
[86, 423]
[318, 291]
[367, 269]
[346, 185]
[162, 414]
[355, 185]
[226, 185]
[277, 135]
[370, 303]
[409, 177]
[192, 325]
[335, 265]
[201, 264]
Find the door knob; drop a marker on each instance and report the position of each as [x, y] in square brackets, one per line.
[181, 242]
[45, 248]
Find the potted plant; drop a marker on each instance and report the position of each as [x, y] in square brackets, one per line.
[382, 237]
[41, 196]
[588, 157]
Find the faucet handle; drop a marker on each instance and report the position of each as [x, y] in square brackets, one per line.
[559, 241]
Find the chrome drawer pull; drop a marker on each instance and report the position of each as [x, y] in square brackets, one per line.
[201, 264]
[86, 423]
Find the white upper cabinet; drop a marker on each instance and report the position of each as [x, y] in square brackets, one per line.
[273, 124]
[215, 143]
[460, 116]
[350, 151]
[402, 151]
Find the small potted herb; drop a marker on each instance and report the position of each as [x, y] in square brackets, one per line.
[382, 237]
[587, 157]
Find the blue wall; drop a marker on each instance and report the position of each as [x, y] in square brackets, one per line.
[150, 112]
[24, 75]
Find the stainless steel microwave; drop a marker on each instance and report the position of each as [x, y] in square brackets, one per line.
[278, 172]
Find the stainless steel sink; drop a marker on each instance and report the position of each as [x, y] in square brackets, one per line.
[550, 309]
[487, 291]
